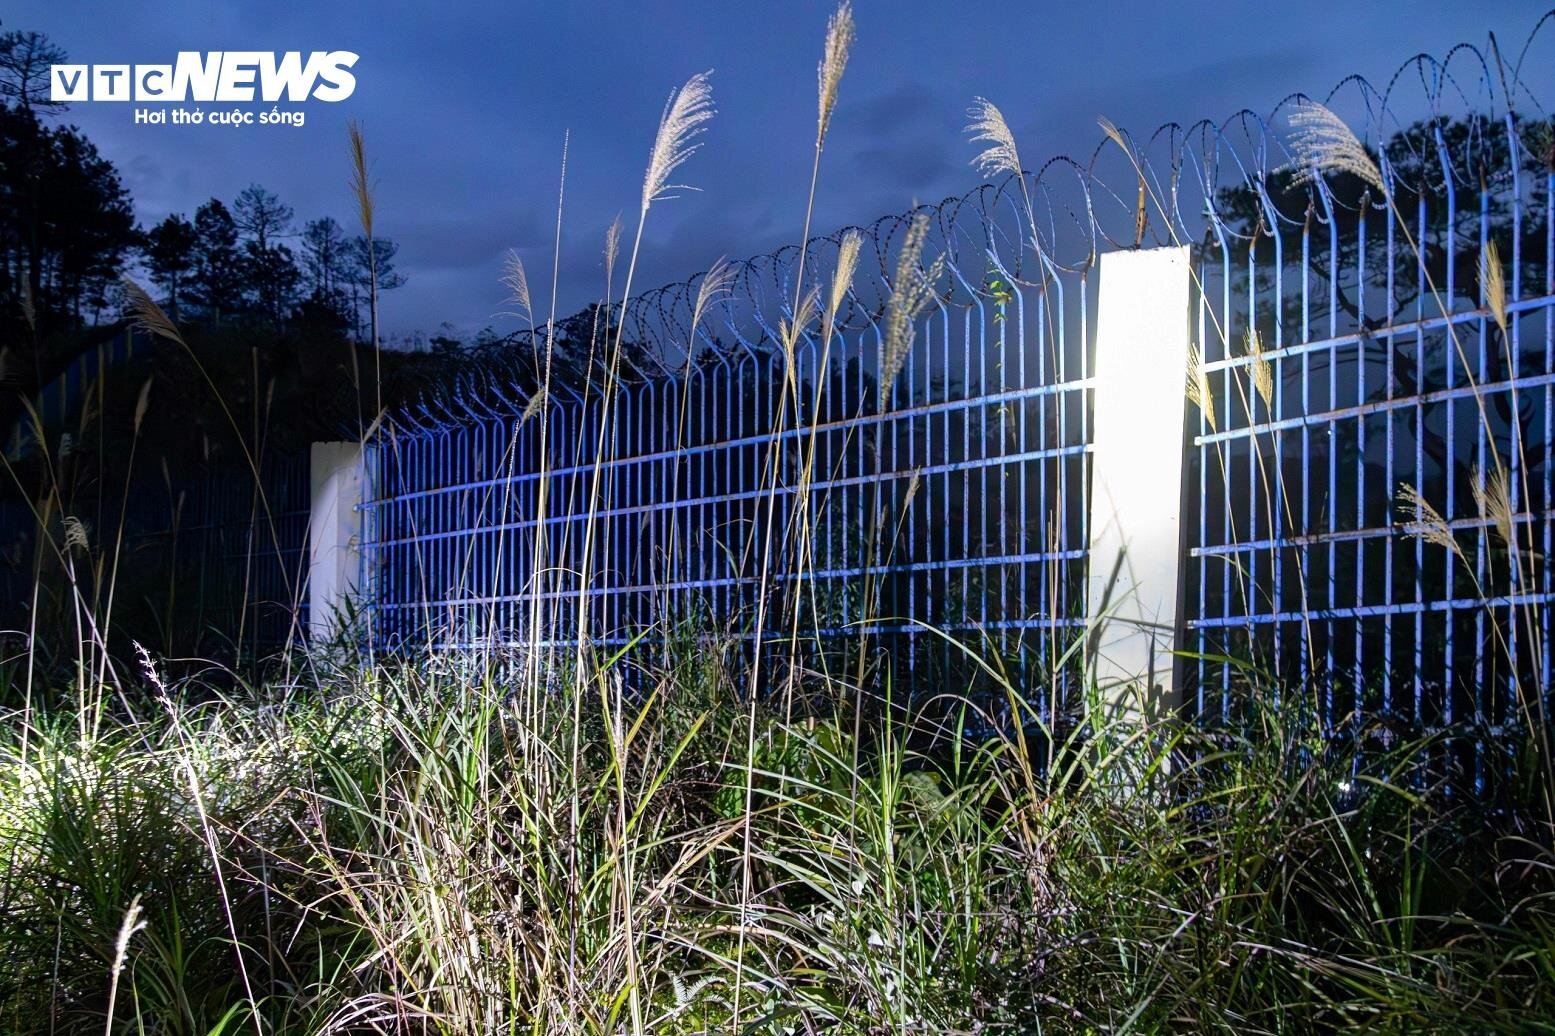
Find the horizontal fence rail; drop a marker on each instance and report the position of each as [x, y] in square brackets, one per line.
[1371, 475]
[846, 509]
[686, 464]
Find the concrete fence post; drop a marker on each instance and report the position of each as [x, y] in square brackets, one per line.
[334, 535]
[1136, 478]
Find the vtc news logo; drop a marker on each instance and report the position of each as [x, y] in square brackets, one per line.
[212, 77]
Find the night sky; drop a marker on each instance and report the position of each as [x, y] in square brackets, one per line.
[465, 113]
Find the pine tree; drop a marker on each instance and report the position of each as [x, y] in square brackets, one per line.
[170, 255]
[217, 283]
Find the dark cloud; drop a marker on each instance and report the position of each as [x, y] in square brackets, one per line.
[465, 114]
[887, 114]
[919, 166]
[466, 241]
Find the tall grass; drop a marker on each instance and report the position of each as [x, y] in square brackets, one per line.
[422, 849]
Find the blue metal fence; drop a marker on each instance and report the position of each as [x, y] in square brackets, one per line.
[1349, 531]
[930, 503]
[786, 496]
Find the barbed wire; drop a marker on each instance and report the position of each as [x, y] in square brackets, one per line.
[1169, 187]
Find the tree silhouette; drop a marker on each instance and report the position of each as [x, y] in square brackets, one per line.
[218, 270]
[66, 231]
[261, 215]
[327, 261]
[1479, 160]
[272, 278]
[170, 255]
[25, 58]
[270, 266]
[1381, 278]
[360, 274]
[66, 224]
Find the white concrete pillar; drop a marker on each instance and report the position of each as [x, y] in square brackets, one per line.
[1136, 478]
[334, 535]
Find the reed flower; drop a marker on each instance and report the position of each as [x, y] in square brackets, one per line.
[989, 126]
[612, 244]
[685, 117]
[839, 42]
[143, 402]
[1261, 370]
[534, 406]
[715, 284]
[1141, 209]
[146, 315]
[75, 533]
[842, 279]
[913, 484]
[790, 330]
[1425, 522]
[361, 187]
[132, 923]
[1493, 497]
[912, 289]
[517, 283]
[1493, 279]
[1323, 143]
[847, 264]
[1114, 134]
[1197, 388]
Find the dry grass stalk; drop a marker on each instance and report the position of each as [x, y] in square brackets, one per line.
[839, 42]
[715, 284]
[361, 187]
[1425, 522]
[28, 310]
[1493, 497]
[684, 118]
[75, 534]
[197, 796]
[988, 125]
[131, 924]
[612, 246]
[1141, 210]
[790, 330]
[142, 403]
[147, 315]
[517, 283]
[1323, 143]
[534, 406]
[912, 288]
[1261, 370]
[1197, 388]
[1493, 278]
